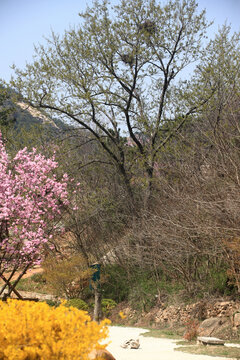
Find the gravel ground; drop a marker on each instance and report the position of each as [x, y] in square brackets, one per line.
[150, 348]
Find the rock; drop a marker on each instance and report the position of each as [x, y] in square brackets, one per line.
[101, 354]
[208, 325]
[236, 320]
[200, 310]
[135, 344]
[126, 344]
[131, 344]
[129, 312]
[216, 326]
[209, 340]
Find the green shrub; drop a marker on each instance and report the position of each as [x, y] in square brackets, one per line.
[143, 293]
[35, 283]
[117, 283]
[38, 278]
[217, 283]
[170, 287]
[107, 306]
[136, 285]
[53, 303]
[77, 303]
[67, 277]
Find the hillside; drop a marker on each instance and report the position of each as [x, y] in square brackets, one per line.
[15, 112]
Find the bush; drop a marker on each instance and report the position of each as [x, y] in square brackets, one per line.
[38, 278]
[54, 303]
[31, 330]
[107, 306]
[117, 283]
[191, 330]
[218, 282]
[77, 303]
[67, 277]
[215, 281]
[142, 295]
[138, 286]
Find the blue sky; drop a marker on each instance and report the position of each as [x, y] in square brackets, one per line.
[25, 22]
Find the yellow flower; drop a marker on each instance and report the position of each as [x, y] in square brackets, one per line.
[122, 315]
[34, 331]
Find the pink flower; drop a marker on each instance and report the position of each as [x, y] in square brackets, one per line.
[29, 201]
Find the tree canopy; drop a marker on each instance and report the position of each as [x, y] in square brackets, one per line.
[115, 74]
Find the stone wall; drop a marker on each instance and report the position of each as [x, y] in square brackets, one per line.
[170, 315]
[200, 310]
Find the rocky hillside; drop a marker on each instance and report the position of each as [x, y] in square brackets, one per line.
[14, 111]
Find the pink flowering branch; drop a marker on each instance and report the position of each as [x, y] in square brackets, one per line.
[31, 198]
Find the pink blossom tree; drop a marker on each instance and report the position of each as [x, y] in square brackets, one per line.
[31, 203]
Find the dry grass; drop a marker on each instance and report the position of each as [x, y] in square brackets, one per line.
[212, 350]
[169, 333]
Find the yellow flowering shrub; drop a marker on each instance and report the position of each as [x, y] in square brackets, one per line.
[122, 315]
[33, 331]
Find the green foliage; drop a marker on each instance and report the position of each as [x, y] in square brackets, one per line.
[35, 283]
[38, 278]
[147, 286]
[117, 283]
[53, 303]
[138, 286]
[107, 306]
[7, 113]
[22, 125]
[217, 281]
[6, 107]
[141, 287]
[120, 64]
[77, 303]
[67, 277]
[168, 286]
[143, 292]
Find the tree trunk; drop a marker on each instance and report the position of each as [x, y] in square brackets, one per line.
[97, 314]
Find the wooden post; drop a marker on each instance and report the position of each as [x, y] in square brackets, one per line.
[95, 284]
[97, 313]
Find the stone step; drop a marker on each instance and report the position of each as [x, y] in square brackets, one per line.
[205, 340]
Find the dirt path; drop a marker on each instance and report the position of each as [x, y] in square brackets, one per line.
[29, 273]
[150, 348]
